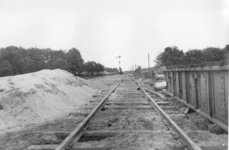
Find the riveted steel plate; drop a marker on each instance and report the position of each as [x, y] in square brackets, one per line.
[184, 97]
[172, 83]
[192, 89]
[205, 90]
[204, 93]
[220, 98]
[177, 85]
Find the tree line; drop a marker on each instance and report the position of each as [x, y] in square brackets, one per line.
[17, 60]
[172, 56]
[114, 70]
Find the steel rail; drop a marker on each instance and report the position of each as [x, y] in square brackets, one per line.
[191, 145]
[158, 94]
[77, 132]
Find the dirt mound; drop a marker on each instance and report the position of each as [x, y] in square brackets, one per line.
[37, 97]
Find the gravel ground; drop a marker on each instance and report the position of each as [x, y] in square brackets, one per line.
[127, 119]
[197, 129]
[138, 141]
[22, 139]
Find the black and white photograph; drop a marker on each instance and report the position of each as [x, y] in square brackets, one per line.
[114, 74]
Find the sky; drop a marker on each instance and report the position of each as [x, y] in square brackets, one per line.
[104, 29]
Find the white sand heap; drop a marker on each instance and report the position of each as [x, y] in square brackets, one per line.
[37, 97]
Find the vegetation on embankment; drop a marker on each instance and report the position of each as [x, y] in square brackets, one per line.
[18, 60]
[172, 56]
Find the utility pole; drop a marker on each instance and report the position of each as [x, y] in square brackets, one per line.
[149, 63]
[0, 55]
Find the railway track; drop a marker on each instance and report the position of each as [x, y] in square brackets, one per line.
[124, 117]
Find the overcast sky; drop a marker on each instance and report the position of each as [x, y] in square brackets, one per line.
[105, 29]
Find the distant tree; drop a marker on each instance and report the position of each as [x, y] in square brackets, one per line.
[60, 64]
[139, 68]
[35, 60]
[17, 60]
[171, 56]
[213, 54]
[15, 56]
[174, 57]
[75, 61]
[111, 70]
[5, 68]
[120, 70]
[226, 48]
[57, 60]
[99, 67]
[194, 56]
[137, 71]
[90, 67]
[226, 52]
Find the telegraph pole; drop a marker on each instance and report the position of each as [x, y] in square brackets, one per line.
[0, 55]
[149, 63]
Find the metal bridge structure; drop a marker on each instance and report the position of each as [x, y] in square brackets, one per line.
[204, 89]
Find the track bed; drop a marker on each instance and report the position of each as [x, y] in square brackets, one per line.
[129, 118]
[128, 121]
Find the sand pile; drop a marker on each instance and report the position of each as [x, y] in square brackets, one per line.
[37, 97]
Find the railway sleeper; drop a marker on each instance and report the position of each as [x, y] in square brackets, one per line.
[53, 147]
[79, 146]
[122, 107]
[95, 101]
[127, 103]
[136, 103]
[98, 95]
[132, 106]
[98, 135]
[76, 114]
[129, 107]
[100, 132]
